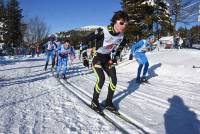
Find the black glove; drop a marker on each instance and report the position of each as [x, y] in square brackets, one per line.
[113, 57]
[130, 57]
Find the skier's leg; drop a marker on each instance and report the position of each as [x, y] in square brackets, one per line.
[85, 58]
[139, 72]
[99, 83]
[111, 72]
[146, 66]
[138, 57]
[59, 65]
[56, 60]
[53, 60]
[65, 60]
[98, 86]
[47, 60]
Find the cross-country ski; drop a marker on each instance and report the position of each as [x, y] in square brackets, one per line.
[103, 67]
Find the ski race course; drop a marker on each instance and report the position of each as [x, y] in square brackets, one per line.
[34, 101]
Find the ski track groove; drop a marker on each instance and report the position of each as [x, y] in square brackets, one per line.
[90, 96]
[87, 102]
[81, 91]
[150, 98]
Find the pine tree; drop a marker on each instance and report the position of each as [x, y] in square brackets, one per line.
[195, 34]
[145, 16]
[136, 26]
[13, 37]
[162, 18]
[2, 21]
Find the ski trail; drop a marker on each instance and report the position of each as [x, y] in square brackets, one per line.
[150, 98]
[81, 92]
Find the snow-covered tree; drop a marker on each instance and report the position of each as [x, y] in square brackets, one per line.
[146, 16]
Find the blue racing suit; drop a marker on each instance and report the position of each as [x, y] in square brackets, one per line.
[138, 50]
[50, 51]
[63, 55]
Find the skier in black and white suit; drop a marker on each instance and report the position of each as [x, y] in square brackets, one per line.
[110, 41]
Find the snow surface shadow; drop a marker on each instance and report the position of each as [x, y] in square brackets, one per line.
[30, 60]
[15, 102]
[76, 71]
[151, 71]
[4, 61]
[132, 87]
[26, 79]
[22, 67]
[179, 119]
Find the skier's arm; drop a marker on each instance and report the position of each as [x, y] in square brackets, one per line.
[137, 46]
[115, 54]
[97, 36]
[121, 47]
[73, 51]
[45, 45]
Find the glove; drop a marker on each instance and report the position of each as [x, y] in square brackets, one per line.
[130, 57]
[113, 58]
[61, 55]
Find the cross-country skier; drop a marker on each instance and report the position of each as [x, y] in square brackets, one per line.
[138, 50]
[72, 57]
[50, 47]
[64, 53]
[83, 54]
[110, 41]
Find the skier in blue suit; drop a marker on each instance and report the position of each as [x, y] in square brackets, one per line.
[138, 50]
[64, 52]
[50, 48]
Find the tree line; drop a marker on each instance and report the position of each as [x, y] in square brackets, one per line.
[18, 33]
[159, 17]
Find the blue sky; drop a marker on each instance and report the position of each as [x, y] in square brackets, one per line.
[62, 15]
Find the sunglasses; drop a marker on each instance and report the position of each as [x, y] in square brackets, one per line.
[123, 23]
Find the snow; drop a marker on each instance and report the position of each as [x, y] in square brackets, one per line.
[88, 28]
[33, 101]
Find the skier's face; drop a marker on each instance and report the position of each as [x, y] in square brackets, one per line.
[120, 26]
[67, 45]
[151, 40]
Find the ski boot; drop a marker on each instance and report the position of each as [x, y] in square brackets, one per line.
[138, 80]
[57, 76]
[64, 76]
[96, 107]
[45, 68]
[144, 79]
[112, 108]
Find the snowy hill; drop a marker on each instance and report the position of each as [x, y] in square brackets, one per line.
[87, 28]
[33, 101]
